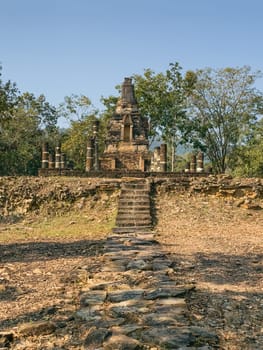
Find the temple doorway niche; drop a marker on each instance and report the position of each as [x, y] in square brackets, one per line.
[127, 129]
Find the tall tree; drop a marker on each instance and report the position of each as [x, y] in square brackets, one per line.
[248, 158]
[79, 111]
[8, 98]
[224, 104]
[25, 120]
[161, 98]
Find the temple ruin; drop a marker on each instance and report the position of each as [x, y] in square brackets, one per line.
[127, 145]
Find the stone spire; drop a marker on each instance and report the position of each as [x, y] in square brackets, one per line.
[127, 92]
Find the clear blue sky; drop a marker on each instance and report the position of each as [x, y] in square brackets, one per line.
[60, 47]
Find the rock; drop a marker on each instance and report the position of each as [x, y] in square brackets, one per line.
[85, 314]
[168, 337]
[93, 298]
[164, 293]
[126, 329]
[122, 342]
[125, 295]
[37, 328]
[96, 337]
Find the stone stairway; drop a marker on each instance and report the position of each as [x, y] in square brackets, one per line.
[134, 209]
[132, 300]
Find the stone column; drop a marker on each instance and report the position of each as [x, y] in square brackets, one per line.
[58, 157]
[45, 153]
[193, 164]
[142, 163]
[96, 146]
[63, 161]
[163, 157]
[200, 162]
[51, 163]
[187, 167]
[89, 155]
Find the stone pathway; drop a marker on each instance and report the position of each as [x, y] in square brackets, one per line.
[132, 301]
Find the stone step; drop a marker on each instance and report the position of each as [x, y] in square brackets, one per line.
[132, 223]
[135, 191]
[134, 202]
[135, 208]
[134, 186]
[134, 216]
[129, 229]
[134, 196]
[131, 211]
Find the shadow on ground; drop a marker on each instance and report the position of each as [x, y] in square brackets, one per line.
[39, 251]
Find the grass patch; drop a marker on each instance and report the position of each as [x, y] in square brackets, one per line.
[73, 225]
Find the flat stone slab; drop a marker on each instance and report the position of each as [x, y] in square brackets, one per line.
[171, 302]
[93, 297]
[159, 319]
[164, 293]
[126, 329]
[96, 337]
[125, 295]
[168, 337]
[122, 342]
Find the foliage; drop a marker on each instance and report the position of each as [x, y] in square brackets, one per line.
[25, 121]
[161, 98]
[109, 109]
[248, 158]
[224, 105]
[75, 107]
[8, 96]
[82, 115]
[74, 142]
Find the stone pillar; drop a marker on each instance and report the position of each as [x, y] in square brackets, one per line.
[113, 164]
[58, 157]
[187, 167]
[63, 161]
[96, 146]
[200, 162]
[142, 163]
[45, 153]
[51, 163]
[163, 157]
[193, 164]
[89, 155]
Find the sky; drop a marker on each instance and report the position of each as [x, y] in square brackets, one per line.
[63, 47]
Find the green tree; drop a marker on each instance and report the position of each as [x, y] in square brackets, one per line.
[74, 142]
[76, 107]
[8, 98]
[82, 115]
[161, 98]
[25, 121]
[224, 105]
[248, 158]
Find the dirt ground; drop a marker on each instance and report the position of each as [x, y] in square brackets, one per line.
[219, 248]
[214, 245]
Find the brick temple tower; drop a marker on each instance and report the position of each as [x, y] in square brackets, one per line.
[127, 146]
